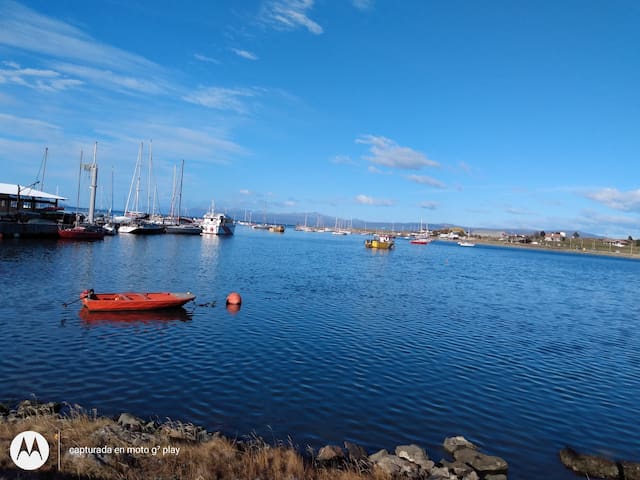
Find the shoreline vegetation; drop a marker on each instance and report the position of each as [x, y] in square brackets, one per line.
[83, 445]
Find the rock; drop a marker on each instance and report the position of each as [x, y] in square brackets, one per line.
[474, 476]
[356, 452]
[451, 444]
[630, 470]
[29, 408]
[458, 468]
[375, 457]
[497, 476]
[590, 465]
[416, 455]
[4, 409]
[481, 463]
[440, 473]
[131, 422]
[330, 454]
[394, 465]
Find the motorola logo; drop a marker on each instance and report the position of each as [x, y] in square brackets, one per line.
[29, 450]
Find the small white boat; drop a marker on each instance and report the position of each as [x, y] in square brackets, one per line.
[466, 244]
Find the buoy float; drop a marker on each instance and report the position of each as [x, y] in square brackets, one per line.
[234, 299]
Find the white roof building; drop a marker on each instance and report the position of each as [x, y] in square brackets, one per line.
[12, 189]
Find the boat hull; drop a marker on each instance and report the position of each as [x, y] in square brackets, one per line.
[378, 244]
[131, 301]
[82, 233]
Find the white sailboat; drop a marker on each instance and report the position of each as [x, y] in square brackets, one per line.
[135, 221]
[180, 227]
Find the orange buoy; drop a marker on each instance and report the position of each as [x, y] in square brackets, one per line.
[234, 299]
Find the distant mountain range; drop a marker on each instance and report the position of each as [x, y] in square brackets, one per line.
[315, 219]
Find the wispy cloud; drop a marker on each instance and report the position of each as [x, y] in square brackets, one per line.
[429, 205]
[289, 15]
[426, 180]
[367, 200]
[25, 29]
[614, 198]
[72, 57]
[244, 191]
[245, 54]
[112, 80]
[37, 79]
[388, 153]
[362, 4]
[222, 98]
[343, 160]
[206, 59]
[518, 211]
[27, 126]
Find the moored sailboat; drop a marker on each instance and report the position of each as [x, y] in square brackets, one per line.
[89, 230]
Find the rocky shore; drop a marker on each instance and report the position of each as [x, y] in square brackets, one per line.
[84, 445]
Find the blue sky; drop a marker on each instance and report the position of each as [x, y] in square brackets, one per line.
[494, 114]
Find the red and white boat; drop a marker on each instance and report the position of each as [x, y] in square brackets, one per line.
[133, 301]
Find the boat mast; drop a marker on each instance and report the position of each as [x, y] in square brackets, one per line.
[94, 185]
[172, 210]
[78, 197]
[180, 192]
[149, 177]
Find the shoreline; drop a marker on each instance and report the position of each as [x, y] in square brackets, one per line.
[549, 249]
[83, 444]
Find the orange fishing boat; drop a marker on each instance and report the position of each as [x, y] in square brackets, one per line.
[132, 301]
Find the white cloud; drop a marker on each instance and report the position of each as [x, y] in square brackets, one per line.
[289, 15]
[366, 200]
[342, 160]
[27, 126]
[221, 98]
[111, 80]
[426, 180]
[289, 203]
[388, 153]
[429, 205]
[204, 58]
[362, 4]
[37, 79]
[25, 29]
[245, 54]
[614, 198]
[244, 191]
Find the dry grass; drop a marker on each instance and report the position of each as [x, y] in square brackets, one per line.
[217, 458]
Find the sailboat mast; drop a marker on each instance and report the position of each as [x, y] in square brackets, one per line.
[149, 177]
[180, 192]
[172, 210]
[78, 197]
[44, 167]
[138, 168]
[94, 185]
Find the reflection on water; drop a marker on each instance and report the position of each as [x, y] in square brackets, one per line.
[116, 318]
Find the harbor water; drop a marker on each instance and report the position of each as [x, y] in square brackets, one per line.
[522, 352]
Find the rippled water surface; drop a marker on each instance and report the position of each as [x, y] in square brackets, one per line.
[522, 352]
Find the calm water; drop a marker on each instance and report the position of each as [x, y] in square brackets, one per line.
[522, 352]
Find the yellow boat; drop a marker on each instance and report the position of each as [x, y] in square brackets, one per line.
[277, 228]
[384, 242]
